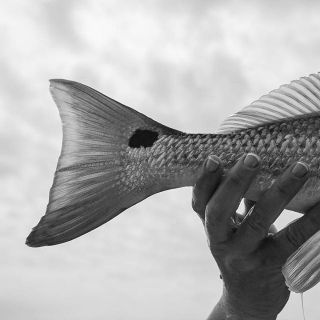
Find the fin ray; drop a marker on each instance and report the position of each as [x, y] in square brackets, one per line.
[89, 185]
[298, 99]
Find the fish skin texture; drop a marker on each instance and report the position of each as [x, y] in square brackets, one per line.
[177, 160]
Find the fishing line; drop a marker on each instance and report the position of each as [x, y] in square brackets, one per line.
[303, 314]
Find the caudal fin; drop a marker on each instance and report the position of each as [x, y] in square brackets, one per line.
[89, 184]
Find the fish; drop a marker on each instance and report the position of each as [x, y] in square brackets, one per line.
[113, 156]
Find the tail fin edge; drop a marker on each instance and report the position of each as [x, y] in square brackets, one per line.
[89, 186]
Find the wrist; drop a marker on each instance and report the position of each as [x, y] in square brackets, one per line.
[235, 310]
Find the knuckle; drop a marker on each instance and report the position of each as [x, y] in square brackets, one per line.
[293, 236]
[208, 178]
[211, 210]
[196, 206]
[234, 180]
[198, 211]
[256, 225]
[196, 188]
[240, 178]
[283, 190]
[315, 210]
[289, 186]
[212, 220]
[313, 221]
[300, 231]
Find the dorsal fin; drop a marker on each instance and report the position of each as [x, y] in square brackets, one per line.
[297, 99]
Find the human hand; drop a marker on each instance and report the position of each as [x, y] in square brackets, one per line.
[250, 259]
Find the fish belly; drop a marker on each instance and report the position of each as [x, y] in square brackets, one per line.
[306, 197]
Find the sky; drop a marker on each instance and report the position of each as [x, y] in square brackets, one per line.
[187, 64]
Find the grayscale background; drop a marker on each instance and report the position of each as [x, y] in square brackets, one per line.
[187, 64]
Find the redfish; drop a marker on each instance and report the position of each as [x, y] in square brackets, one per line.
[113, 157]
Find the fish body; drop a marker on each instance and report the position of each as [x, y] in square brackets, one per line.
[176, 160]
[113, 157]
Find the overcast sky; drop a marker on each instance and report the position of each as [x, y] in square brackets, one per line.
[187, 64]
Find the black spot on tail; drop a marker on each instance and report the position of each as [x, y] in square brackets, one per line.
[143, 138]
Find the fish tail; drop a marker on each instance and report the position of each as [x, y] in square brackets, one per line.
[89, 186]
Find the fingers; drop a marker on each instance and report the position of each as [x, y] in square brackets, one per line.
[271, 204]
[226, 199]
[248, 205]
[298, 232]
[206, 184]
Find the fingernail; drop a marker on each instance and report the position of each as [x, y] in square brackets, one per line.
[300, 170]
[212, 164]
[251, 160]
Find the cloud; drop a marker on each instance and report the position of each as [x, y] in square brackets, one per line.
[196, 93]
[185, 63]
[58, 19]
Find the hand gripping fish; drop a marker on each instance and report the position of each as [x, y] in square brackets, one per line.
[113, 157]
